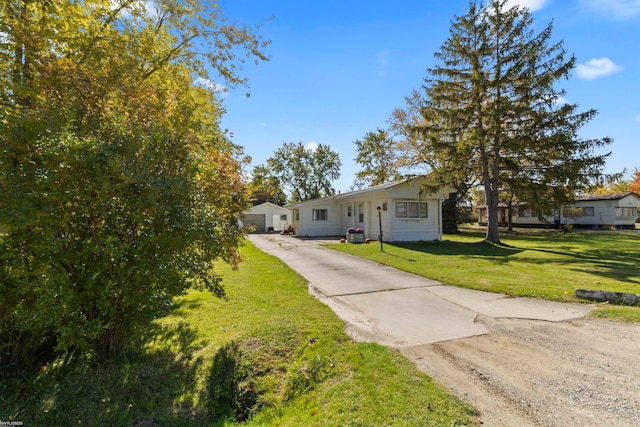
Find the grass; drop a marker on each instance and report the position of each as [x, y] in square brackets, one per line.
[545, 264]
[271, 354]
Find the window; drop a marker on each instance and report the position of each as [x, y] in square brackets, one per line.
[627, 212]
[319, 214]
[588, 211]
[424, 212]
[361, 212]
[411, 210]
[349, 211]
[401, 209]
[384, 206]
[297, 215]
[414, 210]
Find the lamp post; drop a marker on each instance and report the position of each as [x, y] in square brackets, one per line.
[379, 209]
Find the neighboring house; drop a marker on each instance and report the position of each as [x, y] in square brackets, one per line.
[619, 210]
[522, 216]
[590, 210]
[267, 217]
[405, 215]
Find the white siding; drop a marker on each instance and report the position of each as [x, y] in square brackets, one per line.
[415, 229]
[604, 212]
[272, 215]
[371, 223]
[632, 202]
[366, 202]
[309, 227]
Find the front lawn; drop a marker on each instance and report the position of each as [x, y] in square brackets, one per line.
[545, 264]
[271, 354]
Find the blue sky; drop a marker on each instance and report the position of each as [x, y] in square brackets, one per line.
[338, 69]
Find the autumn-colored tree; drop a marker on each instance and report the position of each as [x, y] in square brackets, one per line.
[265, 187]
[635, 184]
[118, 189]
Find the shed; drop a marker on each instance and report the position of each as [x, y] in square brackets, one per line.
[267, 217]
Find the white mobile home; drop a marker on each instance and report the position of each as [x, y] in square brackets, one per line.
[267, 217]
[521, 216]
[588, 211]
[619, 210]
[404, 214]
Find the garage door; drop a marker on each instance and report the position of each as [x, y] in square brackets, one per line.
[257, 221]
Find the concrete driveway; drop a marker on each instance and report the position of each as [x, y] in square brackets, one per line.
[398, 309]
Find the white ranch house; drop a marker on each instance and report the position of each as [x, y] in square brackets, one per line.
[267, 217]
[405, 215]
[619, 210]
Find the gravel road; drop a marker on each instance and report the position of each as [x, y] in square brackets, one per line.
[584, 372]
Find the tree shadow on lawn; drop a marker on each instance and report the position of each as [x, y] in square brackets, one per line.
[617, 265]
[606, 261]
[154, 382]
[446, 247]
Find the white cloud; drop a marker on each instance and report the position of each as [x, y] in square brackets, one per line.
[560, 100]
[619, 8]
[532, 5]
[212, 86]
[145, 7]
[312, 146]
[596, 68]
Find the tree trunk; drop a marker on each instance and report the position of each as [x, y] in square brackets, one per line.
[449, 215]
[492, 215]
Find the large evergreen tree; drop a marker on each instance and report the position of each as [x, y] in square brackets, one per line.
[492, 106]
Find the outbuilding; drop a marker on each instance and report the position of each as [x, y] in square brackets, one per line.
[267, 217]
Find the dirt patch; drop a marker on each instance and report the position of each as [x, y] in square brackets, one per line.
[536, 373]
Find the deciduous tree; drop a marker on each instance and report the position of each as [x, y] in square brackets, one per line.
[118, 190]
[307, 173]
[635, 184]
[378, 158]
[265, 187]
[416, 154]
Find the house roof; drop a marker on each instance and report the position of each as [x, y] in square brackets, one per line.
[348, 194]
[385, 186]
[583, 198]
[268, 205]
[616, 196]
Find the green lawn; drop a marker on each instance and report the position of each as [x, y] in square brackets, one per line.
[538, 263]
[270, 346]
